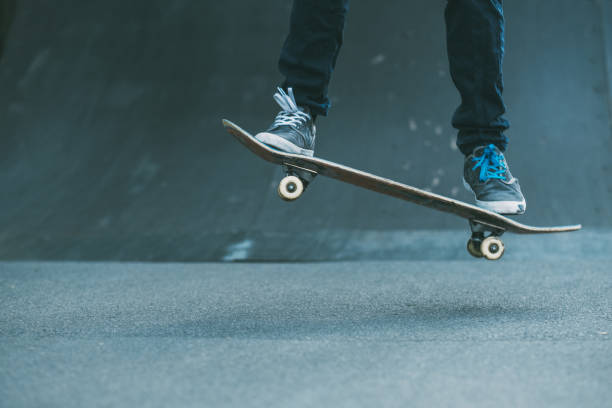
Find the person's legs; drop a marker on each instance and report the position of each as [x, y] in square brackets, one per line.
[307, 61]
[7, 15]
[475, 42]
[309, 54]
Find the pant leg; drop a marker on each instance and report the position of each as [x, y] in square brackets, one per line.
[7, 15]
[475, 42]
[309, 54]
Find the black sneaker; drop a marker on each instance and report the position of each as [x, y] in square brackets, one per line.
[293, 130]
[487, 175]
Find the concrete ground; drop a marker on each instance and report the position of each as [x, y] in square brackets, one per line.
[459, 333]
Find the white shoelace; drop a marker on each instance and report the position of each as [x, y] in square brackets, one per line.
[290, 115]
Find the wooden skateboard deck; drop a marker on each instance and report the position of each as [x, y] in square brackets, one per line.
[481, 220]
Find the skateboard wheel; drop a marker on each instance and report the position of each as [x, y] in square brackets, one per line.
[492, 248]
[290, 188]
[473, 248]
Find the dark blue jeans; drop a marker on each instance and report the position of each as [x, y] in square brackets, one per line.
[475, 44]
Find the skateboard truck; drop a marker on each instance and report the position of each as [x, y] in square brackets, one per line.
[481, 245]
[295, 181]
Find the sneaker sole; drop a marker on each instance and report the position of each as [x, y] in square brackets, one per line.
[499, 207]
[281, 144]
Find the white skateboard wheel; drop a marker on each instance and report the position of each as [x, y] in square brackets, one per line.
[492, 248]
[290, 188]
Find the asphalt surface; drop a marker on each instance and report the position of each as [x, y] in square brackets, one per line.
[112, 146]
[275, 335]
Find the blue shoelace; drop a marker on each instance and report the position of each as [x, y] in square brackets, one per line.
[492, 165]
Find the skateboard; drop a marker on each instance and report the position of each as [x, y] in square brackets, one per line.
[486, 226]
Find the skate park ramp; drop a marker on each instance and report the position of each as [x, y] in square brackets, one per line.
[112, 147]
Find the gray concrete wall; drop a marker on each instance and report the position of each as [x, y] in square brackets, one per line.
[112, 146]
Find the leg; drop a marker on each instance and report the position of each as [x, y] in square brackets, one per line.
[307, 61]
[309, 54]
[475, 41]
[7, 14]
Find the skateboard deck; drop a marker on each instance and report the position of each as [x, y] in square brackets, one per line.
[481, 221]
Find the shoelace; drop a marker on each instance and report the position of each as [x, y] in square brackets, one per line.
[492, 165]
[290, 115]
